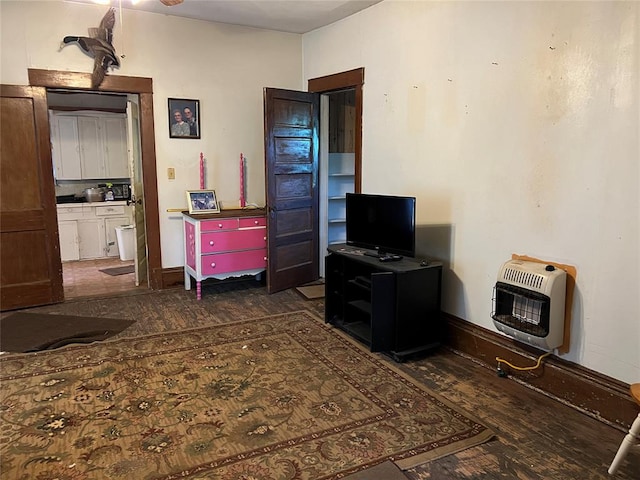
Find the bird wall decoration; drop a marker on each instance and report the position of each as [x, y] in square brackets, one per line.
[98, 45]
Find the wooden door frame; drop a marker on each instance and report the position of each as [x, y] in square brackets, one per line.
[341, 81]
[143, 87]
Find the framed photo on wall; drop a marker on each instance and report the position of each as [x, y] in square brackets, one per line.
[184, 118]
[202, 201]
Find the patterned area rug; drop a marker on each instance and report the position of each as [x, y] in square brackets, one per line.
[279, 397]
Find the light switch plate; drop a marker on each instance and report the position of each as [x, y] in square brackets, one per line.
[171, 173]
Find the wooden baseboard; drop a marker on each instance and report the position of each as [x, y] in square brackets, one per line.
[172, 277]
[595, 394]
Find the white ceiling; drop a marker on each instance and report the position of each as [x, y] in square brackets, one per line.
[294, 16]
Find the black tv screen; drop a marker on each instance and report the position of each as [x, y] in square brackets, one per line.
[383, 223]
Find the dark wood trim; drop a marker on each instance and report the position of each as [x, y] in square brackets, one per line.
[340, 81]
[48, 191]
[150, 186]
[172, 277]
[144, 88]
[358, 138]
[79, 109]
[597, 395]
[82, 81]
[337, 81]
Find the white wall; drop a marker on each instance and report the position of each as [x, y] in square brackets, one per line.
[223, 66]
[516, 125]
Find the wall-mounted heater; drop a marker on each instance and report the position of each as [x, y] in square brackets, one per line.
[528, 303]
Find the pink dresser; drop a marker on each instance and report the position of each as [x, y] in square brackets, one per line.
[231, 243]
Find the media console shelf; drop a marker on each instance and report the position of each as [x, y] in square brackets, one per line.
[392, 307]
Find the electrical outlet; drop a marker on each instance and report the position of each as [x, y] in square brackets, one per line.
[171, 173]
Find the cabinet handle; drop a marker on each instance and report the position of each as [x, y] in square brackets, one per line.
[219, 225]
[211, 243]
[256, 222]
[265, 239]
[213, 264]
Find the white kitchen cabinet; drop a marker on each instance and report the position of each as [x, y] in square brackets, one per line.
[91, 141]
[89, 146]
[116, 160]
[92, 241]
[68, 232]
[94, 225]
[65, 148]
[110, 225]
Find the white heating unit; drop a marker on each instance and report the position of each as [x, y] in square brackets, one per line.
[528, 303]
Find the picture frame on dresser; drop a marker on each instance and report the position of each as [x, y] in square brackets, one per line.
[202, 201]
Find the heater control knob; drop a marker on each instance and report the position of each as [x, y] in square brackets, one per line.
[549, 268]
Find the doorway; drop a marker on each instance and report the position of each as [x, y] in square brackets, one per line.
[340, 151]
[91, 149]
[148, 196]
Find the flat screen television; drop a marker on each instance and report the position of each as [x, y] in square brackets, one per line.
[384, 223]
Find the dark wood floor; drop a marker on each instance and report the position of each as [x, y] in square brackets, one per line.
[536, 437]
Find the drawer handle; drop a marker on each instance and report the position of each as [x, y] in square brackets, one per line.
[219, 225]
[213, 264]
[211, 243]
[256, 222]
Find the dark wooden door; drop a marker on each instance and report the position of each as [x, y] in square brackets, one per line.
[30, 266]
[291, 121]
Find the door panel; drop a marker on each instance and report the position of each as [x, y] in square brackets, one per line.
[30, 266]
[291, 162]
[137, 189]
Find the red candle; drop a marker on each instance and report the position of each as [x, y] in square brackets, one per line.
[201, 171]
[242, 199]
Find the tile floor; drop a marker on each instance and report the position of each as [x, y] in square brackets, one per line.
[84, 279]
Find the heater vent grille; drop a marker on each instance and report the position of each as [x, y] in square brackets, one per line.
[527, 279]
[529, 303]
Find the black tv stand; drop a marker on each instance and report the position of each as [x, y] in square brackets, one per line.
[392, 307]
[384, 257]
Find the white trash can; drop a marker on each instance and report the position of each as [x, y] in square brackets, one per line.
[126, 244]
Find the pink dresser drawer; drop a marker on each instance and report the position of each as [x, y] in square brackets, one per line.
[234, 261]
[222, 224]
[253, 222]
[234, 240]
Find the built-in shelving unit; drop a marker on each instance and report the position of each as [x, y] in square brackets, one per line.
[340, 181]
[337, 164]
